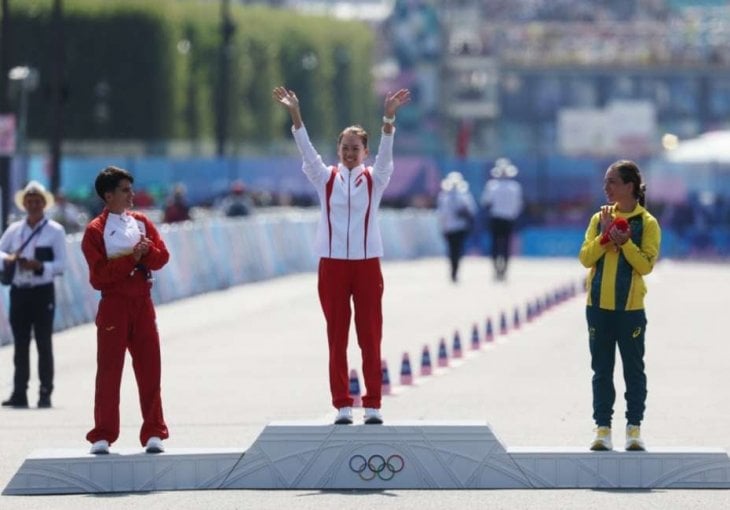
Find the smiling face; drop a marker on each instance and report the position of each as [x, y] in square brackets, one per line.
[617, 191]
[121, 198]
[351, 149]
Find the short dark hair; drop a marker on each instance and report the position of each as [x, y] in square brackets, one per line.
[109, 178]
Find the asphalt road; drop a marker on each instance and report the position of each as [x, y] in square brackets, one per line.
[236, 360]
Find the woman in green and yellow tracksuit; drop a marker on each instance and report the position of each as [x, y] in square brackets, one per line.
[621, 246]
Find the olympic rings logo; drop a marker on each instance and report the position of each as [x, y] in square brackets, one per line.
[376, 465]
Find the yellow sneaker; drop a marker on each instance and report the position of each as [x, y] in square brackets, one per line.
[602, 440]
[634, 443]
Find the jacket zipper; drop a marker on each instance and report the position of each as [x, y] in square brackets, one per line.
[349, 179]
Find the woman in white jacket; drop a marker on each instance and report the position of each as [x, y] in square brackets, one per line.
[349, 245]
[456, 211]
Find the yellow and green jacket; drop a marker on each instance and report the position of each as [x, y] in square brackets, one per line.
[615, 281]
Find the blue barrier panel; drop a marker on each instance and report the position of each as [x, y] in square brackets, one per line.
[551, 241]
[220, 252]
[215, 254]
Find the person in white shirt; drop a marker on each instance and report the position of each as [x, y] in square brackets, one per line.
[502, 196]
[456, 212]
[36, 247]
[349, 245]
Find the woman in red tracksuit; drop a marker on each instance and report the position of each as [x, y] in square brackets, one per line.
[349, 245]
[122, 248]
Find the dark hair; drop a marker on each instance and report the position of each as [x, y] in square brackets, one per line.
[629, 172]
[354, 130]
[109, 178]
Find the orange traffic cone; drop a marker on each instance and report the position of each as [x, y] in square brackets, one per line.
[355, 389]
[475, 343]
[426, 368]
[502, 323]
[489, 337]
[443, 359]
[406, 377]
[456, 346]
[385, 381]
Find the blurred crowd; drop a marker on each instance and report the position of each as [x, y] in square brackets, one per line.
[562, 31]
[701, 219]
[174, 207]
[582, 32]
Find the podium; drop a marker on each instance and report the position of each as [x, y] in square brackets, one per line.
[407, 455]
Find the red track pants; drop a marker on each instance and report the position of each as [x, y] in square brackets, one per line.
[123, 323]
[361, 280]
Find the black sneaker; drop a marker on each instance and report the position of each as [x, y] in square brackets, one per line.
[44, 401]
[17, 401]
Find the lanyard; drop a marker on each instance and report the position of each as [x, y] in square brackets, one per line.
[32, 234]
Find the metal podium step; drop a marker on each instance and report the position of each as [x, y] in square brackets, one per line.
[62, 471]
[417, 455]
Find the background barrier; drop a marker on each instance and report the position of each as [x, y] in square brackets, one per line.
[215, 253]
[218, 253]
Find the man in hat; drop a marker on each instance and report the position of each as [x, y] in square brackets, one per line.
[502, 196]
[36, 245]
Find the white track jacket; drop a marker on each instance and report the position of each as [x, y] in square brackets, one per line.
[349, 200]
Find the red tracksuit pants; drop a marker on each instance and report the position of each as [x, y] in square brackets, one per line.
[362, 281]
[123, 323]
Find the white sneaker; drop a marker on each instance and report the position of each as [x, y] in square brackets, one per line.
[373, 416]
[602, 440]
[154, 445]
[633, 439]
[344, 416]
[101, 447]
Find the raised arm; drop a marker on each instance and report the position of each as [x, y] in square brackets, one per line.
[392, 103]
[288, 99]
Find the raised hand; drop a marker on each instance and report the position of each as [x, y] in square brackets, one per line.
[290, 101]
[285, 97]
[606, 217]
[396, 100]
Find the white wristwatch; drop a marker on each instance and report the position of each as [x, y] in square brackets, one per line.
[389, 120]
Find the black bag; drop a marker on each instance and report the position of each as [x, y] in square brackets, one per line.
[6, 277]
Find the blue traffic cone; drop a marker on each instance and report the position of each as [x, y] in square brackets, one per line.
[355, 389]
[489, 336]
[406, 377]
[456, 346]
[475, 343]
[502, 323]
[443, 360]
[385, 380]
[516, 319]
[426, 368]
